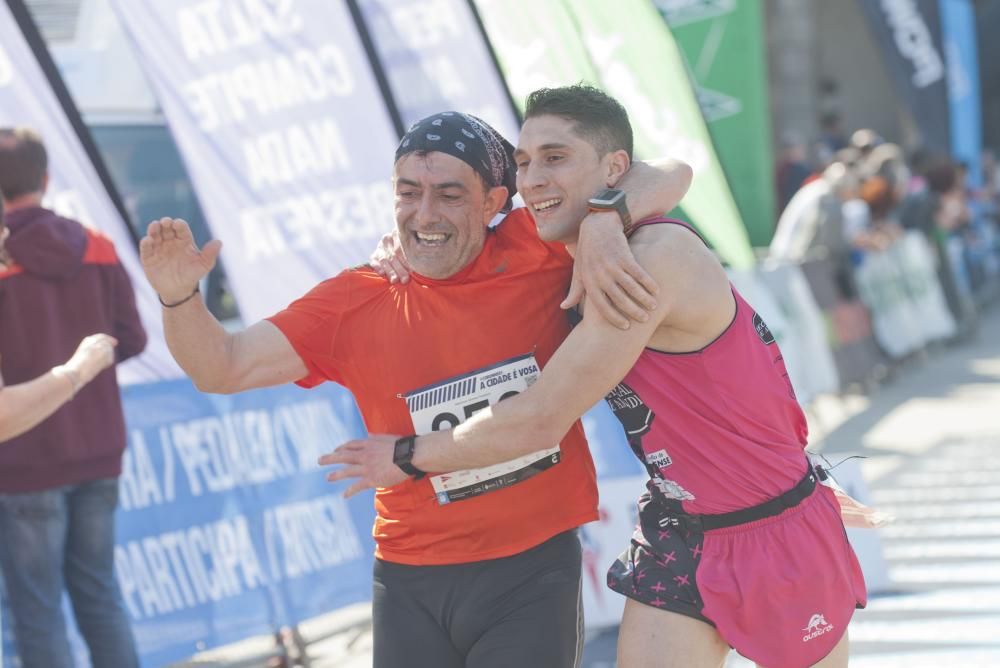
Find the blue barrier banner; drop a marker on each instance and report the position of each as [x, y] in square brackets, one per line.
[958, 26]
[227, 527]
[436, 58]
[75, 190]
[280, 121]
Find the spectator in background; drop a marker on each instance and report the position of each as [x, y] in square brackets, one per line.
[919, 161]
[793, 167]
[855, 210]
[59, 480]
[991, 177]
[937, 211]
[990, 207]
[832, 138]
[881, 229]
[974, 239]
[870, 222]
[812, 225]
[886, 181]
[865, 140]
[24, 405]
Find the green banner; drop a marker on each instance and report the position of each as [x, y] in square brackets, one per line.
[723, 42]
[551, 57]
[628, 51]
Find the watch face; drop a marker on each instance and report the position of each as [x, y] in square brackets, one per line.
[401, 451]
[607, 197]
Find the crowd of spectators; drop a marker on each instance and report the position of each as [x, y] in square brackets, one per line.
[846, 199]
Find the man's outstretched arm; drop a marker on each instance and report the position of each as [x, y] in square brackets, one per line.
[216, 360]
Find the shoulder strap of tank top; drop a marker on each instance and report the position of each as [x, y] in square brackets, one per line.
[661, 220]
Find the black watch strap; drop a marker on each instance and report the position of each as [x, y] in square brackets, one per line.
[402, 456]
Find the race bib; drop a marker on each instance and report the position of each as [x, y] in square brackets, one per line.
[451, 402]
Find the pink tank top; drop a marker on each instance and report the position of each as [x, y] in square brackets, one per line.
[718, 429]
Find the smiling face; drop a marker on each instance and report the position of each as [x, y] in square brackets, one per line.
[558, 171]
[442, 212]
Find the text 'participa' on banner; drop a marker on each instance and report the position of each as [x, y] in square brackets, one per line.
[227, 528]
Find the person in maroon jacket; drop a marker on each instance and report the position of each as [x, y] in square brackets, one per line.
[61, 282]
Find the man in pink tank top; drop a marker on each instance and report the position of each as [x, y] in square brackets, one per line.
[738, 546]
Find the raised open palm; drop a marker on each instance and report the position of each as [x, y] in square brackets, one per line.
[172, 261]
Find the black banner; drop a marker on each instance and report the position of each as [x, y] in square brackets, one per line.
[909, 34]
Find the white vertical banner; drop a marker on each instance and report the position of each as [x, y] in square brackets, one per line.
[436, 58]
[279, 118]
[75, 189]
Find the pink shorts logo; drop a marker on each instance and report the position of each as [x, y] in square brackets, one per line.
[816, 627]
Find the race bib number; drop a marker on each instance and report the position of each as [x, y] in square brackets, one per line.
[451, 402]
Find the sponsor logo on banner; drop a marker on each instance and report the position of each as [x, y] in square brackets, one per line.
[716, 105]
[913, 40]
[682, 12]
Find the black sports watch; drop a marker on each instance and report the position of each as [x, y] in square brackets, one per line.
[611, 199]
[402, 456]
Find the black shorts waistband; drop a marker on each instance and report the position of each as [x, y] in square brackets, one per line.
[770, 508]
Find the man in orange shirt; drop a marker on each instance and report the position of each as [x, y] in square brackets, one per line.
[476, 568]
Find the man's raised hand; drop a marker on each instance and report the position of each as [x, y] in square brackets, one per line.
[171, 260]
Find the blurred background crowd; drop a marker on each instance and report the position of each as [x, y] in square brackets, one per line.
[851, 197]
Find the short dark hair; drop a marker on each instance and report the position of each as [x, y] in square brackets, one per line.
[23, 162]
[599, 119]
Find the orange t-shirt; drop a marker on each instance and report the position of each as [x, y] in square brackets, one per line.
[426, 355]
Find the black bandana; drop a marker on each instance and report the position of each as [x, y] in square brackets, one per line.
[470, 140]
